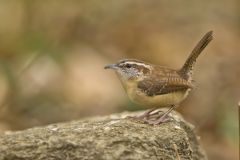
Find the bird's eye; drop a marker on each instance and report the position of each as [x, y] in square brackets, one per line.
[128, 66]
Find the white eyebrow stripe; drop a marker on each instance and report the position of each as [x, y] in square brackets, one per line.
[139, 63]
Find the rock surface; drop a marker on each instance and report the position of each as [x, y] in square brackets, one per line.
[104, 138]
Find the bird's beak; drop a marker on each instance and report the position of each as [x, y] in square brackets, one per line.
[111, 66]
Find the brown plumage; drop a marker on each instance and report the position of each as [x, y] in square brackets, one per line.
[187, 68]
[156, 86]
[163, 81]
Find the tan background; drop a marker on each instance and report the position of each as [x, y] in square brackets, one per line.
[52, 55]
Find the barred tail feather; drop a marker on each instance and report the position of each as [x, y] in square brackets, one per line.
[187, 68]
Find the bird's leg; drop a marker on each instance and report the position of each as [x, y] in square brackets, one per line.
[163, 118]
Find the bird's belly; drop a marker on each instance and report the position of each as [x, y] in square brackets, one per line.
[163, 100]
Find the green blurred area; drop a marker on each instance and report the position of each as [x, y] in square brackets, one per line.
[52, 55]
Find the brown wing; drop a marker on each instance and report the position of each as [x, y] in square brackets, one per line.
[163, 82]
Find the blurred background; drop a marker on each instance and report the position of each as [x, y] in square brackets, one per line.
[52, 55]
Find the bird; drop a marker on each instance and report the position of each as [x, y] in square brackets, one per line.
[156, 86]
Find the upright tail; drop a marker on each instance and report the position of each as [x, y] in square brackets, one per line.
[187, 68]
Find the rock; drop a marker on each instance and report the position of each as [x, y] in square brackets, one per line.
[104, 138]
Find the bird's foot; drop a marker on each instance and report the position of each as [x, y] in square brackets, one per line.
[147, 116]
[161, 118]
[158, 121]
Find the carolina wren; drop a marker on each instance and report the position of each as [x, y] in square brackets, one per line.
[156, 86]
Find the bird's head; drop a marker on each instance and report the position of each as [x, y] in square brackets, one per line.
[129, 69]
